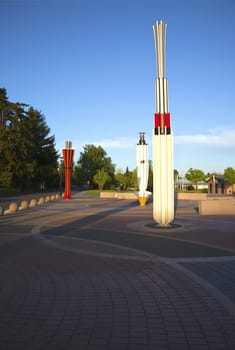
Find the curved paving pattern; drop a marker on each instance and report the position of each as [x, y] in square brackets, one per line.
[219, 274]
[61, 290]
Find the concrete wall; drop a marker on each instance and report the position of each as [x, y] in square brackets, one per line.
[217, 206]
[118, 195]
[108, 194]
[123, 195]
[191, 196]
[132, 195]
[129, 195]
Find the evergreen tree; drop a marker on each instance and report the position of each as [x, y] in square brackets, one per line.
[42, 150]
[12, 145]
[27, 152]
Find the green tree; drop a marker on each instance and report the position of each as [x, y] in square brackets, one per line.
[42, 150]
[126, 179]
[13, 143]
[28, 153]
[5, 113]
[120, 179]
[92, 159]
[101, 178]
[229, 175]
[195, 175]
[133, 179]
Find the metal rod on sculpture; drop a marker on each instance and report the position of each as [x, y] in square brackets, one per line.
[142, 170]
[68, 154]
[163, 178]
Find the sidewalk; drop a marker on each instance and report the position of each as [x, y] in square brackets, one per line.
[89, 274]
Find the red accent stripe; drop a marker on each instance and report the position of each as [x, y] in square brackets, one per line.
[157, 120]
[167, 120]
[162, 120]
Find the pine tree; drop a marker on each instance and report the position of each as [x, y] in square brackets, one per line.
[27, 152]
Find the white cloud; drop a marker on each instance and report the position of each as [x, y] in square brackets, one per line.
[119, 143]
[217, 137]
[115, 143]
[122, 144]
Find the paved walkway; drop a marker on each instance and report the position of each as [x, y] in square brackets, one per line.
[94, 274]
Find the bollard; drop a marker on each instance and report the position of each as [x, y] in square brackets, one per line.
[33, 203]
[1, 211]
[41, 200]
[24, 204]
[13, 207]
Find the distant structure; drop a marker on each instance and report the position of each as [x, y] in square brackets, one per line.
[217, 185]
[142, 169]
[163, 174]
[68, 154]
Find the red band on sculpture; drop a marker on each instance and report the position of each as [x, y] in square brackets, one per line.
[162, 120]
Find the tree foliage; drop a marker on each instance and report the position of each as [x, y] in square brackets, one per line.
[195, 175]
[28, 154]
[101, 178]
[229, 175]
[92, 159]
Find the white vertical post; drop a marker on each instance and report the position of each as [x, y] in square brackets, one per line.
[163, 173]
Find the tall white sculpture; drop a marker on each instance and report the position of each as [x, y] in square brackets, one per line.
[163, 174]
[142, 169]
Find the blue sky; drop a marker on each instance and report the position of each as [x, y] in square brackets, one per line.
[89, 67]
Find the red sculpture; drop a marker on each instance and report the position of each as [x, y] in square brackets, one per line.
[68, 154]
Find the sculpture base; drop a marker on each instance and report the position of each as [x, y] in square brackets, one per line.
[67, 196]
[142, 200]
[168, 226]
